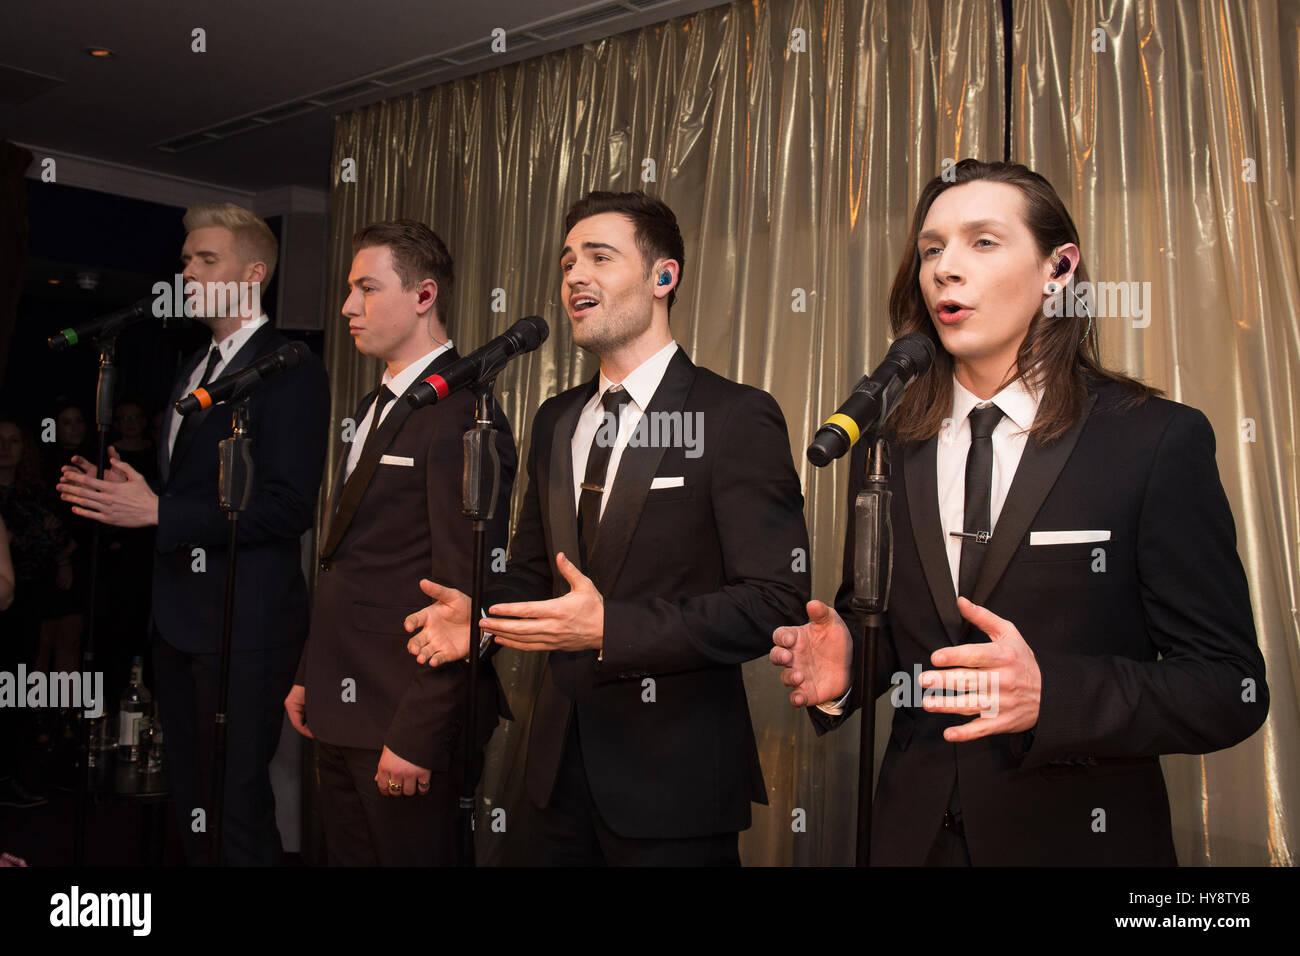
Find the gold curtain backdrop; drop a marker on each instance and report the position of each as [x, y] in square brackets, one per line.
[792, 140]
[1166, 135]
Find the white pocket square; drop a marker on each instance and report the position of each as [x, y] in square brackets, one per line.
[397, 460]
[1067, 537]
[667, 483]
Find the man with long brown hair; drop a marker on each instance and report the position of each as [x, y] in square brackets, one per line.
[1067, 599]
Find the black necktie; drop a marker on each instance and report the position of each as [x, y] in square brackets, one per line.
[382, 398]
[214, 356]
[381, 402]
[977, 517]
[593, 483]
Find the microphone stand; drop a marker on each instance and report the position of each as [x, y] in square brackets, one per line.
[103, 419]
[873, 565]
[235, 484]
[480, 485]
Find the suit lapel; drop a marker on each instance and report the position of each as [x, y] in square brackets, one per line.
[246, 354]
[377, 442]
[563, 514]
[636, 471]
[923, 508]
[336, 492]
[1035, 475]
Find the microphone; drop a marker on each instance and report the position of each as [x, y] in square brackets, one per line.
[109, 324]
[236, 385]
[482, 364]
[873, 399]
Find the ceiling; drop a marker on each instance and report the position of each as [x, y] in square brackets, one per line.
[253, 112]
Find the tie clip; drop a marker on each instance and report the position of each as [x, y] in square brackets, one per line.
[599, 489]
[981, 536]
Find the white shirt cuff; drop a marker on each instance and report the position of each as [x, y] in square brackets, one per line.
[836, 708]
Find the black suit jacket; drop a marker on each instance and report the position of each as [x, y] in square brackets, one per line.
[289, 417]
[695, 578]
[406, 525]
[1146, 643]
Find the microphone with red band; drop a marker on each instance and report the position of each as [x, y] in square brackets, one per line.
[236, 385]
[481, 365]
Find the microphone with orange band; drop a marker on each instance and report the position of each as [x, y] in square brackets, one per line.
[233, 387]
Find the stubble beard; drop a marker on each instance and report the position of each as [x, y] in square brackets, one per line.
[621, 329]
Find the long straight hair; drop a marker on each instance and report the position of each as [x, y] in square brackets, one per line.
[1056, 356]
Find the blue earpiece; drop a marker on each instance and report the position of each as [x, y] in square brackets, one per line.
[665, 277]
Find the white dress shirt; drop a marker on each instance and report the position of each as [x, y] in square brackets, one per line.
[641, 384]
[1019, 409]
[397, 384]
[226, 349]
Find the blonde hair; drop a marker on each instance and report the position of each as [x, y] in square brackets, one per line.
[253, 237]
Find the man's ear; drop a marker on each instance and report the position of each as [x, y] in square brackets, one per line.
[255, 272]
[1068, 256]
[255, 277]
[664, 277]
[426, 294]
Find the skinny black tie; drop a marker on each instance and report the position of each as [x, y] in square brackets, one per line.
[979, 488]
[593, 484]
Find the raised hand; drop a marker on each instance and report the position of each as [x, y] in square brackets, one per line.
[816, 658]
[440, 631]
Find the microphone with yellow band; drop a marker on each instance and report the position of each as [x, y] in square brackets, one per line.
[873, 399]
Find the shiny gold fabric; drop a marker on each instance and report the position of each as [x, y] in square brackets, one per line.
[1174, 146]
[793, 162]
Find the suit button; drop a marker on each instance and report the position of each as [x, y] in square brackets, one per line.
[324, 564]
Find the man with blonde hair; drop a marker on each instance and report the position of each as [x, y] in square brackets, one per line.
[227, 251]
[232, 257]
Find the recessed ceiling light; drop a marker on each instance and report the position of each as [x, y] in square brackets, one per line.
[102, 52]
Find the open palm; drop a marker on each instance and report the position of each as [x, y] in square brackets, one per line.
[440, 632]
[815, 657]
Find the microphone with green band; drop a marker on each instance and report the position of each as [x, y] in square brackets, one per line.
[105, 325]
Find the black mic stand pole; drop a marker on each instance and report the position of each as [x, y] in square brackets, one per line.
[480, 485]
[873, 564]
[103, 419]
[235, 483]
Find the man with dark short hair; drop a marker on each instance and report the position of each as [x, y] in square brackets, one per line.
[661, 539]
[388, 730]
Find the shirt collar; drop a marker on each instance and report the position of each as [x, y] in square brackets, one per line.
[1018, 402]
[399, 384]
[643, 381]
[237, 339]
